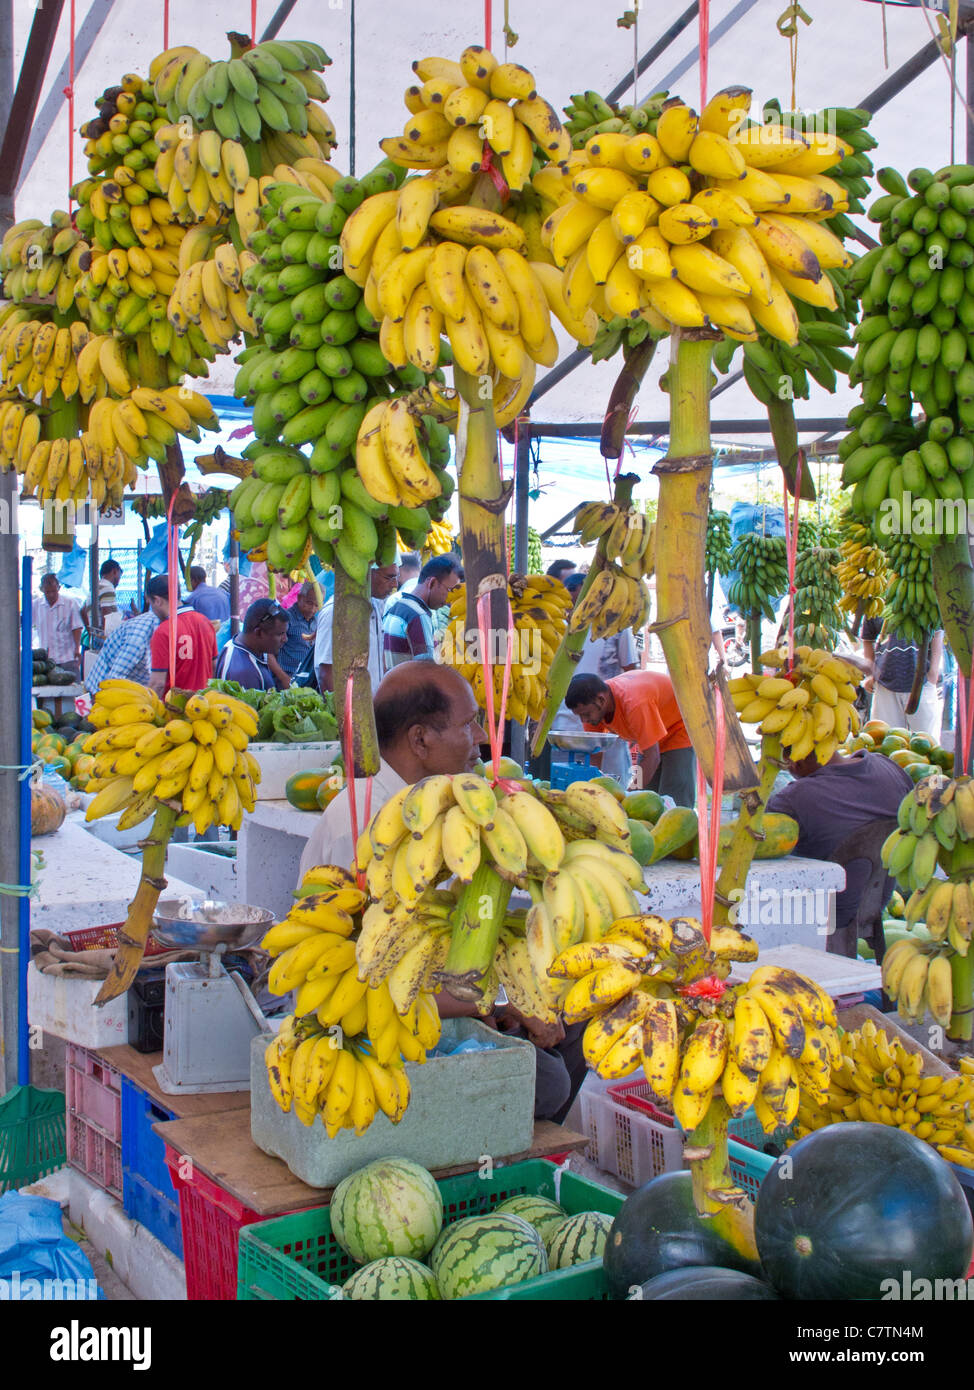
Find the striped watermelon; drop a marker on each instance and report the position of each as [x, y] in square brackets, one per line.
[540, 1212]
[390, 1207]
[392, 1279]
[578, 1239]
[486, 1252]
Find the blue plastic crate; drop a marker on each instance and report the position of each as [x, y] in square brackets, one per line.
[143, 1152]
[748, 1167]
[158, 1214]
[576, 769]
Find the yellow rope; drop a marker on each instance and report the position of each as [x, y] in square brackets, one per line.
[787, 26]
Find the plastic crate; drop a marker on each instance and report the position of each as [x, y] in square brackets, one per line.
[106, 939]
[746, 1128]
[297, 1257]
[143, 1151]
[32, 1137]
[210, 1220]
[157, 1213]
[95, 1155]
[637, 1148]
[94, 1091]
[564, 774]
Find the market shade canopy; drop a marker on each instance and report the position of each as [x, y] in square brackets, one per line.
[569, 46]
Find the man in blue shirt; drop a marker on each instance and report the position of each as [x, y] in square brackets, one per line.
[408, 625]
[251, 658]
[209, 602]
[301, 625]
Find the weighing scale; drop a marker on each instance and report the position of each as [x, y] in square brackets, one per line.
[210, 1013]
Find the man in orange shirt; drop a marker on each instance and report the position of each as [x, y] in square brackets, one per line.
[641, 707]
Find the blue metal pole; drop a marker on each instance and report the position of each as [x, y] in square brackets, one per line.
[26, 723]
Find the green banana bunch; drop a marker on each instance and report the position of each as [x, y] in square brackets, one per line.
[917, 294]
[762, 566]
[44, 261]
[263, 90]
[718, 543]
[316, 373]
[818, 617]
[589, 114]
[911, 600]
[535, 562]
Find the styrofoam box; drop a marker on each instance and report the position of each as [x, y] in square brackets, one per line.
[279, 761]
[65, 1006]
[461, 1108]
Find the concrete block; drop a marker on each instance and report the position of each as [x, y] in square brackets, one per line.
[461, 1108]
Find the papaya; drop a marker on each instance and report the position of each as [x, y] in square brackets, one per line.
[302, 789]
[644, 806]
[642, 841]
[611, 785]
[41, 719]
[780, 836]
[674, 829]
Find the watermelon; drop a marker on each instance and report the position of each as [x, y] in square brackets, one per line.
[578, 1239]
[392, 1279]
[390, 1207]
[540, 1212]
[483, 1253]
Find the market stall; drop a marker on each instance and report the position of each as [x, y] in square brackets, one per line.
[352, 1076]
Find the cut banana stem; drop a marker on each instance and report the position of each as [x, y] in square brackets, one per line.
[135, 933]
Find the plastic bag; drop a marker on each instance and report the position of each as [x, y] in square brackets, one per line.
[37, 1260]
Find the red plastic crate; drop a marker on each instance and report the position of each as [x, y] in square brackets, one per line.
[93, 1091]
[95, 1155]
[105, 939]
[634, 1096]
[211, 1219]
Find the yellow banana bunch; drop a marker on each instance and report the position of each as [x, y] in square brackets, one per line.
[539, 607]
[917, 974]
[315, 1072]
[629, 535]
[879, 1080]
[684, 227]
[440, 540]
[617, 599]
[863, 571]
[811, 709]
[190, 751]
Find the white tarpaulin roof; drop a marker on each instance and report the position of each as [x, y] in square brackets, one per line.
[570, 45]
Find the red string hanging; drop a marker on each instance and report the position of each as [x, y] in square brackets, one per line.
[488, 25]
[488, 166]
[165, 25]
[791, 541]
[253, 21]
[704, 40]
[709, 830]
[69, 93]
[173, 575]
[350, 778]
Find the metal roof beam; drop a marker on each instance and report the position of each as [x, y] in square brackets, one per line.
[904, 75]
[590, 430]
[23, 108]
[658, 48]
[277, 20]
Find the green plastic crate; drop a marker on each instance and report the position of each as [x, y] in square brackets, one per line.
[297, 1257]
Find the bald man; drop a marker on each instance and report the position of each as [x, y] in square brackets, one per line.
[427, 721]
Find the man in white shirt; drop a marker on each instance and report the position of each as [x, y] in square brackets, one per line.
[427, 721]
[382, 582]
[57, 621]
[409, 568]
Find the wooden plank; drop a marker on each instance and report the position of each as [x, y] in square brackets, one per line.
[221, 1147]
[137, 1066]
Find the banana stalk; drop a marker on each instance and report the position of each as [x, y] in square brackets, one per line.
[754, 637]
[570, 648]
[477, 922]
[738, 859]
[784, 433]
[683, 620]
[953, 581]
[961, 1026]
[351, 653]
[133, 936]
[616, 419]
[63, 422]
[715, 1194]
[483, 501]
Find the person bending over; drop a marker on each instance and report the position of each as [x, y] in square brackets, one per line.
[641, 707]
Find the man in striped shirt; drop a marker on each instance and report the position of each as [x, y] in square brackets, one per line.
[408, 625]
[125, 655]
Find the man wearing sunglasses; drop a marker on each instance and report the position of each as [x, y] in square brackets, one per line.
[250, 658]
